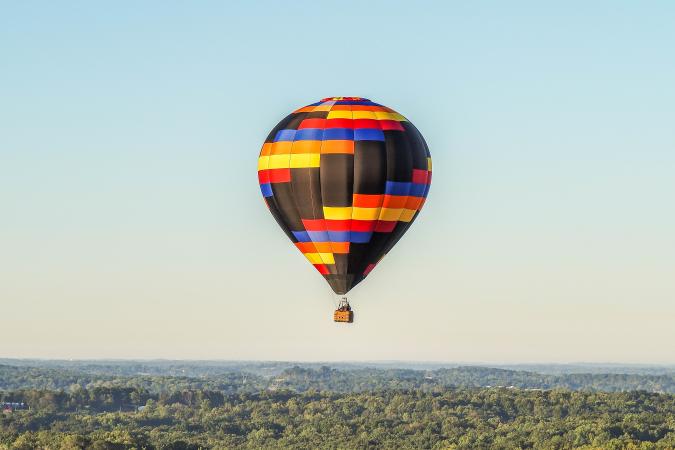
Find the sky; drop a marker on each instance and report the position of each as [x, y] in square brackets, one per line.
[132, 225]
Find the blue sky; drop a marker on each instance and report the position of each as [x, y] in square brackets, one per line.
[132, 224]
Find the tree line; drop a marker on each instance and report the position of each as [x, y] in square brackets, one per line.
[325, 407]
[453, 418]
[301, 379]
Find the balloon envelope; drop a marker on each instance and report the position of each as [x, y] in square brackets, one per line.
[344, 178]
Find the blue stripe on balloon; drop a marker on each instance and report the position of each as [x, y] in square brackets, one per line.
[318, 236]
[266, 190]
[301, 236]
[361, 237]
[338, 134]
[397, 188]
[309, 134]
[356, 102]
[338, 236]
[368, 134]
[285, 135]
[417, 189]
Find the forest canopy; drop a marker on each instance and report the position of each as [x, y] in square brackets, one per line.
[326, 407]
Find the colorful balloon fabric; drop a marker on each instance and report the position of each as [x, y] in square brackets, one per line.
[344, 178]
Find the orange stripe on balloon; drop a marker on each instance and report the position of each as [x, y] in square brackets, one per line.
[339, 146]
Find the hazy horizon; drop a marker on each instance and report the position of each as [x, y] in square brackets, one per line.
[329, 360]
[345, 361]
[132, 224]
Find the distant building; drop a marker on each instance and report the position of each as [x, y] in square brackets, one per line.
[10, 407]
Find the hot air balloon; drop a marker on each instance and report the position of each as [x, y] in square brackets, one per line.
[344, 178]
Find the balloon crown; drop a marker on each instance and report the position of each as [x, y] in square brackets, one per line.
[335, 99]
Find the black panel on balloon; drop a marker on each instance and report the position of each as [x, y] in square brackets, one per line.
[417, 146]
[399, 156]
[307, 188]
[370, 159]
[317, 115]
[285, 200]
[337, 179]
[341, 284]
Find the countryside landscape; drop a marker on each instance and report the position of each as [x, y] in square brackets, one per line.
[210, 404]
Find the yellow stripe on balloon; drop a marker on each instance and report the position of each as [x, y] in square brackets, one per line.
[390, 213]
[320, 258]
[279, 162]
[337, 213]
[339, 115]
[407, 215]
[303, 160]
[365, 213]
[263, 162]
[389, 116]
[364, 115]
